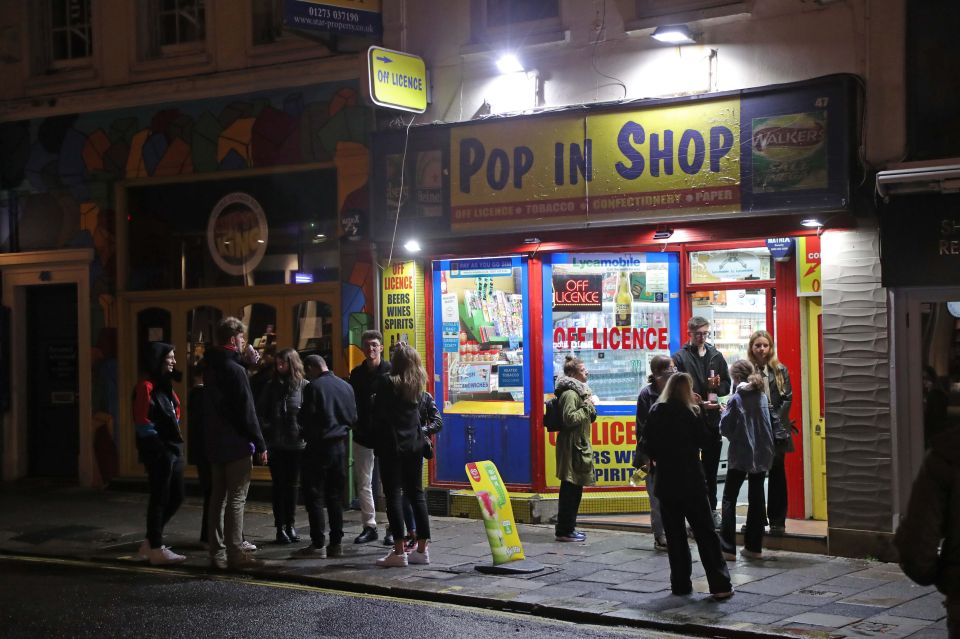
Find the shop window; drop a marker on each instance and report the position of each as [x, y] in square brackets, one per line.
[933, 129]
[266, 21]
[261, 322]
[64, 34]
[172, 27]
[734, 315]
[730, 265]
[153, 325]
[515, 20]
[250, 231]
[939, 379]
[202, 322]
[482, 319]
[614, 311]
[313, 330]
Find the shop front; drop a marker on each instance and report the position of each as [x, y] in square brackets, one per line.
[598, 233]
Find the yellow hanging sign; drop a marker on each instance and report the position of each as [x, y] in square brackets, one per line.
[497, 512]
[397, 80]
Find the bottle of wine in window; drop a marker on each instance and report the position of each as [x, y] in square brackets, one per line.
[624, 302]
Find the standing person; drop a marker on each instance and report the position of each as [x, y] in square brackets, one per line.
[399, 443]
[279, 409]
[779, 392]
[232, 435]
[329, 412]
[364, 379]
[661, 369]
[574, 453]
[928, 538]
[196, 454]
[430, 424]
[746, 424]
[156, 416]
[673, 436]
[708, 369]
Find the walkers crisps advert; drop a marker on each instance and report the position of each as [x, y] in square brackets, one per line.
[683, 157]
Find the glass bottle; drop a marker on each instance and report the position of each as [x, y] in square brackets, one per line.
[624, 302]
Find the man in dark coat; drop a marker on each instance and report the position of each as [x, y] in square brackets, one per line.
[708, 368]
[928, 538]
[231, 435]
[328, 413]
[364, 379]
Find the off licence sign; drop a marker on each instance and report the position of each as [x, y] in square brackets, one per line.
[397, 80]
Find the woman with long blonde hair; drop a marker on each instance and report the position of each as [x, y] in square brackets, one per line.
[674, 436]
[399, 446]
[779, 392]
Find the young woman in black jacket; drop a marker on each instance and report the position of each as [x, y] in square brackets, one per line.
[399, 445]
[279, 409]
[673, 436]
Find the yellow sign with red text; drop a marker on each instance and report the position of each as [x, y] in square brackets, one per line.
[808, 266]
[682, 157]
[399, 304]
[614, 442]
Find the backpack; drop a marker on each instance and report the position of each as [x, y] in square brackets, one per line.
[553, 415]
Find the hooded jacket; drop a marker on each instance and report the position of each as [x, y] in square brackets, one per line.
[231, 428]
[933, 518]
[574, 452]
[746, 424]
[156, 407]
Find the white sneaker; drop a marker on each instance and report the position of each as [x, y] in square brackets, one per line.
[417, 557]
[246, 546]
[144, 551]
[716, 520]
[163, 555]
[393, 560]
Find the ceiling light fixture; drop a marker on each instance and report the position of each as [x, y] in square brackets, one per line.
[811, 223]
[674, 34]
[412, 246]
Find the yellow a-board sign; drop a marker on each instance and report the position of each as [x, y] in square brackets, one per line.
[497, 512]
[397, 80]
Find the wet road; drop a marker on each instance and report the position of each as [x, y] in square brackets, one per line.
[53, 598]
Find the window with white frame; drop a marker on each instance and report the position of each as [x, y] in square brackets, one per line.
[64, 34]
[496, 19]
[171, 27]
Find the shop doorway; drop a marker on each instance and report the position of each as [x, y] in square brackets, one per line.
[306, 318]
[815, 425]
[53, 420]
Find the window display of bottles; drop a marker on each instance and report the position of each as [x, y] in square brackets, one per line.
[734, 316]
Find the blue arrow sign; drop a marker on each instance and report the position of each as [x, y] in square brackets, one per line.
[385, 59]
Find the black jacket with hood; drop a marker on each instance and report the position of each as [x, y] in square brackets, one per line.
[156, 407]
[231, 427]
[688, 361]
[365, 381]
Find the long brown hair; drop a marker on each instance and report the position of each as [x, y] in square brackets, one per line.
[406, 372]
[772, 360]
[680, 388]
[744, 371]
[294, 365]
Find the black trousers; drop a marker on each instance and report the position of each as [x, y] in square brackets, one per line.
[403, 476]
[285, 473]
[165, 475]
[695, 510]
[777, 492]
[324, 476]
[753, 537]
[568, 505]
[710, 459]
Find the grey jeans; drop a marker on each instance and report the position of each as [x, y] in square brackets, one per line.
[656, 520]
[228, 497]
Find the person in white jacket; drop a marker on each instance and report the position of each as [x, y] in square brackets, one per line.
[746, 423]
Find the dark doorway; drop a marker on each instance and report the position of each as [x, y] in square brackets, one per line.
[53, 419]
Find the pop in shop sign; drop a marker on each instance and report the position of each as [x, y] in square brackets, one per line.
[237, 233]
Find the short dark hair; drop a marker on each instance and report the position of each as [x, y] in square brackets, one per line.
[314, 361]
[371, 334]
[227, 328]
[696, 322]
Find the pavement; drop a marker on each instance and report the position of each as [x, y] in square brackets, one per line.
[614, 578]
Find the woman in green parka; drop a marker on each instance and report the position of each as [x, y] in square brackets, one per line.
[574, 453]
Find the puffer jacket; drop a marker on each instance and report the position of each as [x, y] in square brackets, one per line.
[279, 411]
[156, 407]
[574, 452]
[928, 537]
[746, 423]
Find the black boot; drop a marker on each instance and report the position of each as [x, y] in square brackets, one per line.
[292, 533]
[282, 537]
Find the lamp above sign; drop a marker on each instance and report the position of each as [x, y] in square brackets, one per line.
[397, 80]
